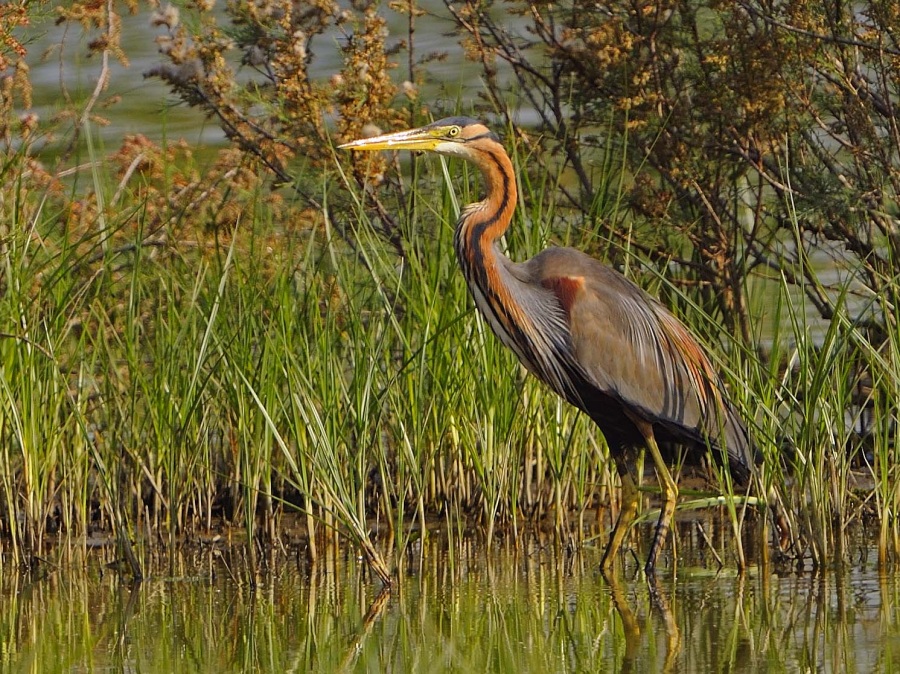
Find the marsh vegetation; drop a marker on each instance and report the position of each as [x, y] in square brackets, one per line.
[207, 341]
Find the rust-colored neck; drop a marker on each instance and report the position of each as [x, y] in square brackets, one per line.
[482, 223]
[486, 269]
[486, 221]
[520, 313]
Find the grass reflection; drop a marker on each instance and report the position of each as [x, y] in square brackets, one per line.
[513, 609]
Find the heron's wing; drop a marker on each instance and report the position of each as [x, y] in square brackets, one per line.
[630, 347]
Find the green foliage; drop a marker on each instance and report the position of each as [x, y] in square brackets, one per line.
[737, 122]
[192, 343]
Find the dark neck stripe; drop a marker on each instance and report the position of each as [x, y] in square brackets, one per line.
[478, 228]
[487, 134]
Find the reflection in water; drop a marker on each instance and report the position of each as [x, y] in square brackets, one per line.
[373, 615]
[454, 608]
[630, 628]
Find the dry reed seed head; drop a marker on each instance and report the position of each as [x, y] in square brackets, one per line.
[11, 16]
[370, 131]
[225, 214]
[410, 90]
[88, 14]
[98, 15]
[29, 123]
[41, 179]
[178, 47]
[168, 16]
[18, 86]
[138, 148]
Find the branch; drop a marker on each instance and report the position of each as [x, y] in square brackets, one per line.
[833, 39]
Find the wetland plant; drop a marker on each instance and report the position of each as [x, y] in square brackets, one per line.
[200, 341]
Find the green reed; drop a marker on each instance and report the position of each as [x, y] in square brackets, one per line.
[166, 381]
[880, 407]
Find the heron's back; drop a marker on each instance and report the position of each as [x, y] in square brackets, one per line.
[630, 357]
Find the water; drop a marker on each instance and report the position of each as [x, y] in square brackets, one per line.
[456, 608]
[59, 54]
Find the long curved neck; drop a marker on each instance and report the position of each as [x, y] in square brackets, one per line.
[508, 303]
[482, 223]
[496, 292]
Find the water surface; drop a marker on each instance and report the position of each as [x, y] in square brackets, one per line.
[456, 608]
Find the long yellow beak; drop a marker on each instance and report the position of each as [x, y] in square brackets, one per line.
[415, 139]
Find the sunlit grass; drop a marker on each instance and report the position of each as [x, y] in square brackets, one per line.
[168, 386]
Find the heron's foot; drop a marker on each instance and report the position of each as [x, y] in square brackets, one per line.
[659, 538]
[623, 523]
[669, 496]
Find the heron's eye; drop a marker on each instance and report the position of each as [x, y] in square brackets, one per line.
[453, 131]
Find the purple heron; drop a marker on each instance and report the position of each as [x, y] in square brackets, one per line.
[590, 334]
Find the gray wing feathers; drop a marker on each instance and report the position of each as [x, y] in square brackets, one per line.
[631, 347]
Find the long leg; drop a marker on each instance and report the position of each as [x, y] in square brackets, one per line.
[669, 495]
[627, 513]
[630, 625]
[673, 634]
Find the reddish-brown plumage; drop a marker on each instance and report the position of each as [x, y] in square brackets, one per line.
[566, 288]
[589, 333]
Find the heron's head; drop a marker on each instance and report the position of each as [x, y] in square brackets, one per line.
[455, 136]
